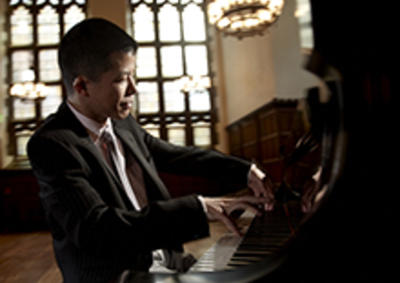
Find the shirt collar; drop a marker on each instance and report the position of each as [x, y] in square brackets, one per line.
[95, 129]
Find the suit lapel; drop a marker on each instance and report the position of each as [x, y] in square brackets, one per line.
[73, 124]
[128, 139]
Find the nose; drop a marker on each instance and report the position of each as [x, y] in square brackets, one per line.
[132, 90]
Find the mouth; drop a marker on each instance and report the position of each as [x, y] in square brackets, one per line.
[126, 105]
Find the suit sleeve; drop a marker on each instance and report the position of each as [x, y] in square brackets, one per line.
[77, 212]
[229, 171]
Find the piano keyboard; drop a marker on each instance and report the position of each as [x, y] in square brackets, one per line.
[264, 236]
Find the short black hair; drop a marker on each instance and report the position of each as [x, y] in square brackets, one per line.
[86, 48]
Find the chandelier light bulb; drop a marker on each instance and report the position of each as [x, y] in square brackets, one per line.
[243, 17]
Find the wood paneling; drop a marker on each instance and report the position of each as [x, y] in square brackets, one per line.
[20, 208]
[267, 135]
[235, 141]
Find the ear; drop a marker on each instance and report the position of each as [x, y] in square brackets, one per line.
[79, 85]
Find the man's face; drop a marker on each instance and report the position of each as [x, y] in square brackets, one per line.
[112, 94]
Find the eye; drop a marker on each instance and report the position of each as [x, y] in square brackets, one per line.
[121, 79]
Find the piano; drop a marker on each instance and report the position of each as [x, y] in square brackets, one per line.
[264, 236]
[232, 258]
[351, 235]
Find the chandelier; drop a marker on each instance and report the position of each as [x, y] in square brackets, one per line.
[28, 89]
[194, 83]
[243, 17]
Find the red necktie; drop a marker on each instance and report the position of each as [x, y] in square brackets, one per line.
[131, 176]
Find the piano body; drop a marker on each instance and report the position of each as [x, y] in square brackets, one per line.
[350, 236]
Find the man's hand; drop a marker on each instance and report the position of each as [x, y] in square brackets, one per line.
[262, 186]
[220, 208]
[310, 192]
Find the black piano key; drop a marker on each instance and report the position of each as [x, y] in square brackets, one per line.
[265, 236]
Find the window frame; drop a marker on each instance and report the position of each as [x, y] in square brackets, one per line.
[23, 125]
[187, 117]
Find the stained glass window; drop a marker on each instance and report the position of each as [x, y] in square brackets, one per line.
[202, 134]
[144, 23]
[48, 67]
[176, 134]
[193, 23]
[303, 14]
[199, 100]
[196, 60]
[171, 61]
[153, 129]
[169, 23]
[72, 15]
[173, 45]
[148, 99]
[35, 30]
[48, 26]
[52, 101]
[22, 139]
[21, 61]
[23, 109]
[174, 100]
[146, 63]
[21, 27]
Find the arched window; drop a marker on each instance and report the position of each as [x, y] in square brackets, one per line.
[35, 28]
[175, 100]
[303, 14]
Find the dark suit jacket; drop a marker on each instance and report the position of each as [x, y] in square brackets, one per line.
[97, 232]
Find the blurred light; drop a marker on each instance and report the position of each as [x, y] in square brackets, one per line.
[243, 17]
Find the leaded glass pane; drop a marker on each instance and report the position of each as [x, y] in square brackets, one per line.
[153, 129]
[146, 62]
[193, 23]
[34, 24]
[199, 100]
[196, 60]
[22, 141]
[202, 134]
[21, 62]
[21, 27]
[143, 20]
[148, 97]
[81, 2]
[23, 109]
[13, 2]
[48, 67]
[178, 25]
[176, 134]
[169, 25]
[52, 100]
[307, 37]
[72, 16]
[303, 11]
[53, 2]
[174, 99]
[303, 14]
[48, 27]
[171, 61]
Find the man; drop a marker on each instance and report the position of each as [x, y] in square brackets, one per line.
[106, 206]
